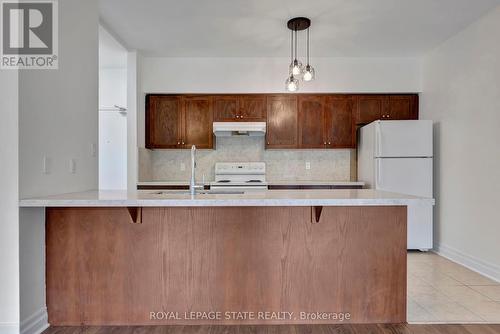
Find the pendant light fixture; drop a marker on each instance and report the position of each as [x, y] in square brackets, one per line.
[297, 71]
[292, 83]
[309, 70]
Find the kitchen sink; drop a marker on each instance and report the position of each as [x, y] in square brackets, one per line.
[203, 192]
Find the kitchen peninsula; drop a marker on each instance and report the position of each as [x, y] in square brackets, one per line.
[130, 258]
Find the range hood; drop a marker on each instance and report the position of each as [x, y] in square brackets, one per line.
[229, 129]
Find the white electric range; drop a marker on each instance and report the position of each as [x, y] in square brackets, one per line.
[239, 176]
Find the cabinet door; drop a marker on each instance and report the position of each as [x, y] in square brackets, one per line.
[253, 108]
[312, 121]
[197, 122]
[282, 122]
[369, 108]
[400, 107]
[226, 108]
[340, 127]
[163, 121]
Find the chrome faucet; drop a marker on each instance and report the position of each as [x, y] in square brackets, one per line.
[192, 182]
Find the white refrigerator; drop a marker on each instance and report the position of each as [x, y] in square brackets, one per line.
[397, 156]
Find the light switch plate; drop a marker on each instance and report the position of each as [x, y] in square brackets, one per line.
[308, 165]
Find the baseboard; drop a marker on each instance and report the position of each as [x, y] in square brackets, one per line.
[482, 267]
[9, 328]
[35, 323]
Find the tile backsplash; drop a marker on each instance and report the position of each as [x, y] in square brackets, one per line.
[331, 165]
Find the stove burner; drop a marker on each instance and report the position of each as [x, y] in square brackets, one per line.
[254, 181]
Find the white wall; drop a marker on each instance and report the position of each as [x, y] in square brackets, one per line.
[9, 211]
[57, 118]
[112, 129]
[461, 92]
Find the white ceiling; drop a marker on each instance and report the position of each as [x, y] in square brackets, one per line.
[257, 28]
[111, 53]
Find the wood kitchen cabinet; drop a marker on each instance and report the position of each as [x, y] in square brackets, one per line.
[339, 123]
[294, 121]
[179, 122]
[197, 122]
[240, 108]
[400, 107]
[282, 122]
[372, 107]
[312, 121]
[163, 121]
[253, 108]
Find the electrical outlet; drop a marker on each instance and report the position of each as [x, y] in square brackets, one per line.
[46, 165]
[72, 166]
[183, 166]
[308, 165]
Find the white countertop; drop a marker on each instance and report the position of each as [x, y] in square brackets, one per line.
[151, 198]
[272, 183]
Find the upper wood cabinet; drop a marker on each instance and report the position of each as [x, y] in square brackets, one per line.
[374, 107]
[294, 121]
[178, 122]
[163, 121]
[197, 122]
[282, 122]
[400, 107]
[240, 108]
[312, 121]
[253, 108]
[226, 108]
[339, 122]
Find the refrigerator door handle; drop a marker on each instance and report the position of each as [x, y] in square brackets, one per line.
[377, 178]
[378, 140]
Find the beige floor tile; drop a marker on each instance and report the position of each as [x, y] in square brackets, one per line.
[419, 290]
[440, 290]
[487, 310]
[472, 278]
[417, 313]
[462, 293]
[414, 281]
[452, 312]
[490, 291]
[439, 279]
[431, 297]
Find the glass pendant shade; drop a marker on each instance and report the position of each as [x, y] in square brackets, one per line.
[308, 73]
[296, 68]
[292, 84]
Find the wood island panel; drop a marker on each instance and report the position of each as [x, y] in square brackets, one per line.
[104, 270]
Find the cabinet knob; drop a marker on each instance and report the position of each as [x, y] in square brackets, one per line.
[329, 143]
[324, 143]
[178, 143]
[182, 143]
[268, 143]
[241, 116]
[237, 116]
